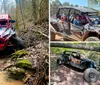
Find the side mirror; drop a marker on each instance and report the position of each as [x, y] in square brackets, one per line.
[12, 21]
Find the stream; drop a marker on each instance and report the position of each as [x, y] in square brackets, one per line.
[4, 80]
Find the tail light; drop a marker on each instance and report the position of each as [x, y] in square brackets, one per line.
[2, 43]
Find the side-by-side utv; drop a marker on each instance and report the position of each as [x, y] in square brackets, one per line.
[8, 37]
[63, 28]
[76, 60]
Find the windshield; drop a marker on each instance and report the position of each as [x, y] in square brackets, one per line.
[94, 19]
[2, 29]
[93, 14]
[3, 23]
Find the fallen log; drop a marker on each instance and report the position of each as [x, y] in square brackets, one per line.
[69, 45]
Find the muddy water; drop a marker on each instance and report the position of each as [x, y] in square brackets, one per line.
[4, 80]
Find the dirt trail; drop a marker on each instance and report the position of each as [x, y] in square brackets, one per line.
[63, 75]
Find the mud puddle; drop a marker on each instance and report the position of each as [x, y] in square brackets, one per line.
[4, 80]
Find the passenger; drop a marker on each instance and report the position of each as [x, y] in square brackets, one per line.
[77, 21]
[62, 21]
[84, 20]
[63, 18]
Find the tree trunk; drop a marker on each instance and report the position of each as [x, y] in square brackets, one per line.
[22, 14]
[65, 45]
[17, 13]
[34, 14]
[4, 5]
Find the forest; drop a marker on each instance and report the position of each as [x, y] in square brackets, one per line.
[56, 3]
[31, 64]
[25, 10]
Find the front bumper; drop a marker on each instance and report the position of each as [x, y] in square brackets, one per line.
[2, 43]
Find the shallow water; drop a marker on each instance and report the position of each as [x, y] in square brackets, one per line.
[4, 80]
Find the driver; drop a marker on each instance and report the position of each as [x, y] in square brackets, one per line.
[77, 20]
[63, 55]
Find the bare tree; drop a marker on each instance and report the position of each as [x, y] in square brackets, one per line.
[22, 14]
[34, 14]
[5, 5]
[17, 13]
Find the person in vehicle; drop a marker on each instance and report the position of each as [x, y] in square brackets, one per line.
[77, 20]
[63, 18]
[83, 20]
[62, 21]
[63, 55]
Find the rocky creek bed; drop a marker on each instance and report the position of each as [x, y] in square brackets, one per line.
[27, 64]
[30, 64]
[5, 80]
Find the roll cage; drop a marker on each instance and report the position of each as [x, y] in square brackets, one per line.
[68, 11]
[73, 54]
[5, 20]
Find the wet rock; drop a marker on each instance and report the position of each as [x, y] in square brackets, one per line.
[18, 54]
[23, 63]
[16, 73]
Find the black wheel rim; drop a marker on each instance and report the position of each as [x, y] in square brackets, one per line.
[92, 75]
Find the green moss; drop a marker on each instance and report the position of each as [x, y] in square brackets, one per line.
[23, 63]
[18, 54]
[16, 73]
[24, 30]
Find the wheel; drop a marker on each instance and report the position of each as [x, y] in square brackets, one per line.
[92, 39]
[19, 43]
[91, 75]
[59, 62]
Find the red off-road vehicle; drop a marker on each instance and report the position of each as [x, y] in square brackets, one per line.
[8, 36]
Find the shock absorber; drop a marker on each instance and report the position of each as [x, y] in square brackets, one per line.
[91, 65]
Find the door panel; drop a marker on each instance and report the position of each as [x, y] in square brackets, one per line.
[76, 61]
[77, 30]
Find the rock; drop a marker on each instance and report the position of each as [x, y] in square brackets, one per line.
[23, 63]
[16, 73]
[56, 78]
[19, 53]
